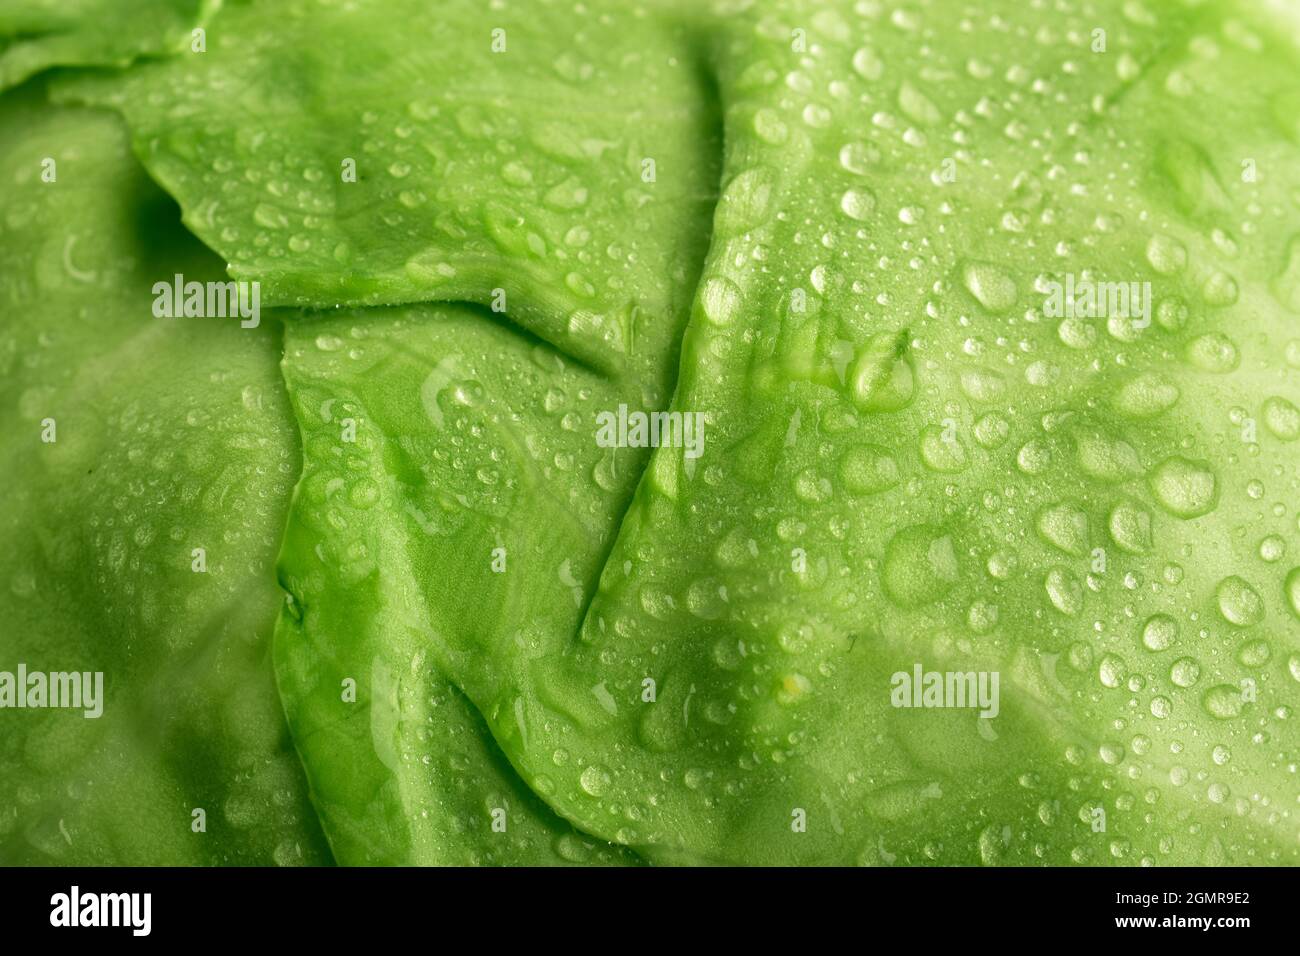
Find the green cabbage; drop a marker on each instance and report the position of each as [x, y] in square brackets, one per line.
[987, 311]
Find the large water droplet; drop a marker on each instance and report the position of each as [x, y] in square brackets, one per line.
[1223, 701]
[1064, 526]
[1239, 603]
[1145, 396]
[920, 566]
[1282, 418]
[1185, 672]
[1159, 632]
[1292, 588]
[867, 64]
[1213, 352]
[942, 451]
[991, 287]
[1064, 591]
[868, 469]
[1130, 527]
[1185, 488]
[1166, 254]
[1286, 286]
[720, 300]
[858, 204]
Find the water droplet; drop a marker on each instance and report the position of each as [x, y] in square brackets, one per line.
[1292, 588]
[1130, 527]
[770, 128]
[1064, 591]
[567, 195]
[1223, 701]
[1272, 548]
[1254, 654]
[1159, 632]
[982, 385]
[1104, 457]
[594, 780]
[743, 205]
[792, 688]
[991, 430]
[1185, 672]
[1064, 526]
[1111, 753]
[881, 377]
[1077, 333]
[1166, 254]
[1171, 314]
[982, 617]
[991, 287]
[1111, 670]
[916, 106]
[868, 469]
[429, 267]
[1184, 488]
[867, 64]
[858, 158]
[1239, 603]
[941, 452]
[1145, 396]
[1213, 352]
[720, 300]
[270, 217]
[1286, 286]
[1033, 457]
[920, 566]
[1282, 418]
[858, 204]
[1219, 290]
[817, 116]
[578, 284]
[1001, 565]
[517, 174]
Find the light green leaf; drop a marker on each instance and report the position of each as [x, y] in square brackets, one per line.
[129, 442]
[38, 34]
[912, 460]
[170, 435]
